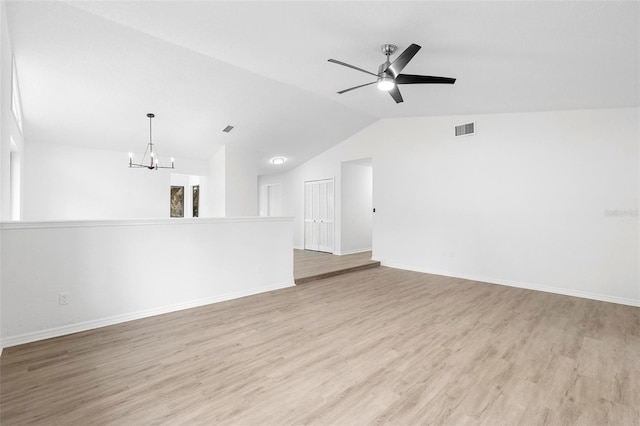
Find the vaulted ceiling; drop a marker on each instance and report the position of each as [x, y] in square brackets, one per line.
[90, 71]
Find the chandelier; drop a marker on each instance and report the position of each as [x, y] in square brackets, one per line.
[154, 161]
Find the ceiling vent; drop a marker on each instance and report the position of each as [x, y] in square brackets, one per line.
[466, 129]
[227, 129]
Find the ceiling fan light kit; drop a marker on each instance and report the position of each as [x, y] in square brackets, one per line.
[385, 83]
[388, 76]
[154, 160]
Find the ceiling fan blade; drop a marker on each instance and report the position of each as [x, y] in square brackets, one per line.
[395, 94]
[423, 79]
[356, 87]
[351, 66]
[401, 61]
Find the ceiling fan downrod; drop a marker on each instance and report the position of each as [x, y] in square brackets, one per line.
[385, 80]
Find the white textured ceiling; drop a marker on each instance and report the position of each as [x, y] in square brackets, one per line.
[90, 71]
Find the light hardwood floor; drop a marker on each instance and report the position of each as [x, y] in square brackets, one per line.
[371, 347]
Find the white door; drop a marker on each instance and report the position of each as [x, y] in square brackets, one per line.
[319, 215]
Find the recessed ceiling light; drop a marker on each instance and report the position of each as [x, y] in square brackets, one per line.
[278, 160]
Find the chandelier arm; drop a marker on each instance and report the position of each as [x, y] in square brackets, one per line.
[138, 165]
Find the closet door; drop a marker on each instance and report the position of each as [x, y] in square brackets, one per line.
[310, 232]
[325, 215]
[319, 215]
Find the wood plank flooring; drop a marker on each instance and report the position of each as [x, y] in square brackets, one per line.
[379, 346]
[314, 265]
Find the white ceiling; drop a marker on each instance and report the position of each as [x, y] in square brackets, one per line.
[90, 71]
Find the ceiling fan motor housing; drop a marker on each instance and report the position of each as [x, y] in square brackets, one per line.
[383, 68]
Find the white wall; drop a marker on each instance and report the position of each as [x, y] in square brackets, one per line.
[217, 182]
[521, 203]
[233, 182]
[3, 50]
[9, 130]
[64, 182]
[67, 182]
[115, 271]
[11, 139]
[8, 126]
[357, 194]
[241, 195]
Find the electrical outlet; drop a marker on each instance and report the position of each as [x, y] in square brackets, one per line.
[63, 299]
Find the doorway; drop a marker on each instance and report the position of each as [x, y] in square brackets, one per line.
[356, 211]
[185, 196]
[274, 200]
[319, 215]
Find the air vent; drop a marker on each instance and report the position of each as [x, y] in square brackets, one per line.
[227, 129]
[466, 129]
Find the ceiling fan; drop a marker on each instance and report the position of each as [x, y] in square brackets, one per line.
[389, 76]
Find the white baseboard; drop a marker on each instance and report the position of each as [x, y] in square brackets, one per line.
[117, 319]
[354, 251]
[519, 284]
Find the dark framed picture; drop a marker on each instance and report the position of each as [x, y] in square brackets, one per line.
[177, 201]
